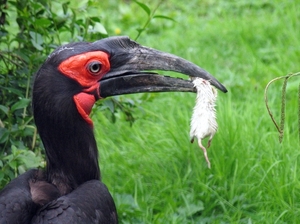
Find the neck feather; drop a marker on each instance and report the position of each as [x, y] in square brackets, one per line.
[71, 150]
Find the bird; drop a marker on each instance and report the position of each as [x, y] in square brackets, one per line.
[65, 88]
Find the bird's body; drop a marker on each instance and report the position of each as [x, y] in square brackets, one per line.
[16, 204]
[80, 206]
[65, 88]
[30, 199]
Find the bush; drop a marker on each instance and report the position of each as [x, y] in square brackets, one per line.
[29, 31]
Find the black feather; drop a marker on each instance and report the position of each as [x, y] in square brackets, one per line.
[89, 203]
[20, 199]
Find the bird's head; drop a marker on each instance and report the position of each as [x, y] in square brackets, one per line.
[74, 77]
[87, 72]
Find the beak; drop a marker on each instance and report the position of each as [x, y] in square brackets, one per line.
[129, 61]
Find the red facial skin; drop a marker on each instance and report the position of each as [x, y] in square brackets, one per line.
[87, 69]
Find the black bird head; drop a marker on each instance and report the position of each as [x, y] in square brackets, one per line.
[76, 75]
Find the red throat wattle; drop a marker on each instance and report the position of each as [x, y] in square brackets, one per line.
[84, 103]
[87, 69]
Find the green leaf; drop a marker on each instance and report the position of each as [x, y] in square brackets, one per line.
[43, 22]
[36, 6]
[20, 104]
[4, 133]
[145, 7]
[99, 28]
[13, 164]
[163, 17]
[110, 105]
[22, 169]
[1, 174]
[140, 29]
[65, 7]
[36, 40]
[95, 19]
[13, 90]
[4, 109]
[29, 159]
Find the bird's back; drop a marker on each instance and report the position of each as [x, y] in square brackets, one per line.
[89, 203]
[23, 196]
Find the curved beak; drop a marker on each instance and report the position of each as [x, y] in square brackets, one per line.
[129, 61]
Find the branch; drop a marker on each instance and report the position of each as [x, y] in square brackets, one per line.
[280, 128]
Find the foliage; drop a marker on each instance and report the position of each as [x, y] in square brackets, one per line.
[30, 30]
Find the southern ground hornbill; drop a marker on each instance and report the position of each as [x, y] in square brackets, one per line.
[66, 87]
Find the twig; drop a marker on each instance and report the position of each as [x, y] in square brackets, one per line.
[299, 112]
[267, 105]
[280, 128]
[150, 17]
[282, 114]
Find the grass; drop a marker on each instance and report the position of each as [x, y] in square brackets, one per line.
[152, 170]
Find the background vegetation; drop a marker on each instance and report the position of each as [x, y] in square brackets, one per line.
[150, 167]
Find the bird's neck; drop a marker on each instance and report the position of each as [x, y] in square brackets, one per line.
[72, 157]
[72, 163]
[71, 150]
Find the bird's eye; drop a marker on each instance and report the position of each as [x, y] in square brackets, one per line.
[94, 67]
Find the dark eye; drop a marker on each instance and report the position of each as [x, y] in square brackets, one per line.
[94, 67]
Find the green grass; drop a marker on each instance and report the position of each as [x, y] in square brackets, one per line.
[155, 174]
